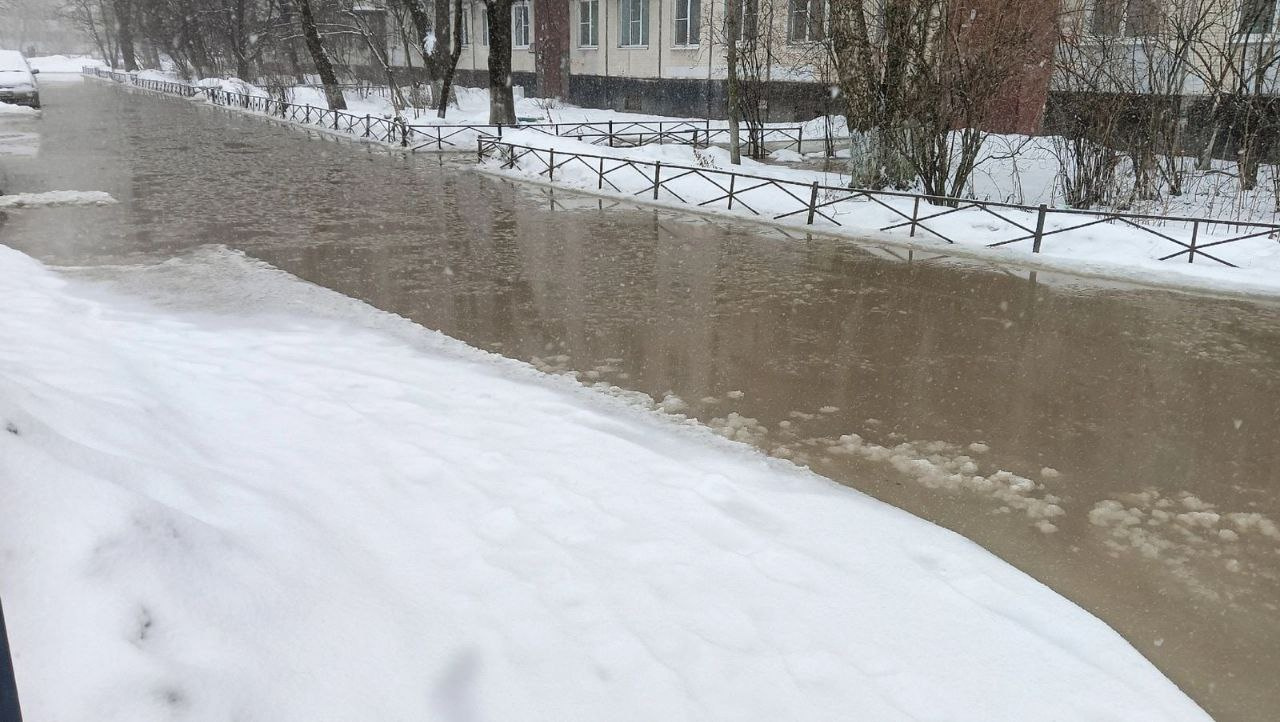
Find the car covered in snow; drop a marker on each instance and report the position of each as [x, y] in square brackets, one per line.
[17, 80]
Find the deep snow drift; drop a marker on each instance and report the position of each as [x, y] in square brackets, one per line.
[274, 503]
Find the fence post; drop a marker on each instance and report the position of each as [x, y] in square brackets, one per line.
[479, 148]
[404, 133]
[551, 166]
[657, 178]
[499, 131]
[10, 711]
[335, 120]
[600, 180]
[1039, 237]
[368, 123]
[800, 141]
[733, 179]
[813, 202]
[611, 134]
[915, 213]
[1195, 233]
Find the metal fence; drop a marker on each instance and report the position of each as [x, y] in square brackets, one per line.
[915, 212]
[812, 201]
[463, 136]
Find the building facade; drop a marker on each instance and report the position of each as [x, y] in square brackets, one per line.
[667, 57]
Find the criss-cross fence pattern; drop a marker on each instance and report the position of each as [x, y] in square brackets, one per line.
[463, 136]
[779, 199]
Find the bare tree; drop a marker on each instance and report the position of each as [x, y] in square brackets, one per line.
[921, 81]
[733, 30]
[446, 87]
[93, 21]
[124, 33]
[1238, 64]
[320, 56]
[502, 104]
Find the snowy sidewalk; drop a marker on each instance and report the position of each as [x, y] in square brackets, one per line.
[289, 506]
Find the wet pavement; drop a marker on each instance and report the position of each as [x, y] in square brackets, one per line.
[1117, 443]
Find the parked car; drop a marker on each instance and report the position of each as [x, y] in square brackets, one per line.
[17, 80]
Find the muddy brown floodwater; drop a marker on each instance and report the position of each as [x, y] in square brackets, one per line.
[1116, 442]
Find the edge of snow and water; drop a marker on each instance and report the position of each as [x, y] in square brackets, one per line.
[1200, 278]
[287, 505]
[1216, 285]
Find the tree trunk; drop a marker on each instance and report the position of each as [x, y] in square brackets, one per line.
[290, 49]
[444, 45]
[422, 23]
[447, 85]
[315, 45]
[732, 25]
[124, 33]
[502, 103]
[240, 41]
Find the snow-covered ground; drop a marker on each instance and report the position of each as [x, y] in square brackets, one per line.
[12, 109]
[255, 499]
[1110, 249]
[63, 64]
[56, 198]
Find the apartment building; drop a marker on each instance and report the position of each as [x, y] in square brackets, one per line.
[658, 56]
[668, 56]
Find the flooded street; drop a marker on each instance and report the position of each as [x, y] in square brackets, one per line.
[1117, 443]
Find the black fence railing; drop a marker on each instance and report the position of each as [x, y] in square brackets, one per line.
[10, 710]
[780, 199]
[463, 136]
[1018, 224]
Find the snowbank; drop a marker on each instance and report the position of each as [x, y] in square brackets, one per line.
[231, 85]
[11, 109]
[63, 64]
[274, 503]
[57, 198]
[1110, 250]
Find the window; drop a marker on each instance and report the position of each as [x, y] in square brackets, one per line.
[1142, 18]
[1257, 16]
[688, 22]
[484, 25]
[520, 24]
[465, 39]
[807, 21]
[633, 23]
[1133, 18]
[1105, 17]
[588, 23]
[749, 10]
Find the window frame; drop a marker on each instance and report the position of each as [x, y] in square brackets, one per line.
[465, 40]
[1272, 22]
[591, 27]
[1124, 22]
[527, 25]
[810, 37]
[748, 26]
[631, 22]
[692, 22]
